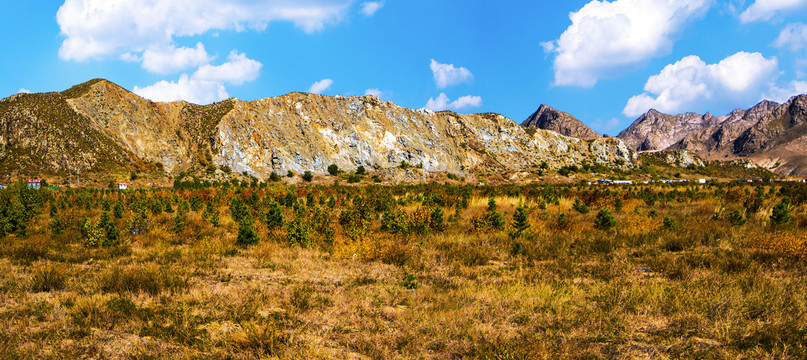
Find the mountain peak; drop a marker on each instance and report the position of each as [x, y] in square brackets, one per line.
[548, 118]
[81, 89]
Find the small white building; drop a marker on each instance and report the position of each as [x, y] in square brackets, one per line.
[34, 183]
[122, 186]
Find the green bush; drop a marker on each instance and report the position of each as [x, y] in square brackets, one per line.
[604, 220]
[139, 223]
[308, 176]
[619, 204]
[333, 169]
[92, 235]
[495, 220]
[410, 281]
[580, 206]
[117, 210]
[736, 218]
[353, 178]
[211, 214]
[298, 232]
[274, 216]
[246, 233]
[668, 223]
[781, 212]
[238, 210]
[520, 221]
[56, 226]
[437, 222]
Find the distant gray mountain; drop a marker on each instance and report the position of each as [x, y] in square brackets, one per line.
[771, 134]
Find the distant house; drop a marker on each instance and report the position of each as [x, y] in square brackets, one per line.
[34, 183]
[122, 186]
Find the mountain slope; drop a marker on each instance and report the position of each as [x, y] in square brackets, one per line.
[560, 122]
[771, 134]
[100, 125]
[174, 134]
[42, 133]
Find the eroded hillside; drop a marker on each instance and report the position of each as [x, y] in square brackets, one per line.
[99, 122]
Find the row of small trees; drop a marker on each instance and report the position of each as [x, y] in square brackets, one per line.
[309, 215]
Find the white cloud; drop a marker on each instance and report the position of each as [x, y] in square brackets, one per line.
[187, 88]
[237, 71]
[793, 37]
[444, 103]
[692, 85]
[23, 91]
[369, 8]
[206, 85]
[129, 57]
[763, 10]
[782, 94]
[446, 75]
[606, 39]
[101, 28]
[374, 92]
[172, 59]
[320, 86]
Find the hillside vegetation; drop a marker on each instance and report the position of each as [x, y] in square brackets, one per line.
[433, 271]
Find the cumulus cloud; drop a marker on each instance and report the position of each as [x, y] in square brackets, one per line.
[442, 102]
[319, 87]
[692, 85]
[172, 59]
[782, 94]
[237, 71]
[207, 84]
[606, 39]
[129, 57]
[374, 92]
[23, 91]
[186, 88]
[763, 10]
[101, 28]
[446, 75]
[369, 8]
[793, 37]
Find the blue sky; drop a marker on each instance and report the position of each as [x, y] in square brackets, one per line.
[605, 62]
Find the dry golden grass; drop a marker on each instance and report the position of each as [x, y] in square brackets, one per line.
[699, 289]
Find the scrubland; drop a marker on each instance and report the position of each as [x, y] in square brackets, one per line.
[433, 271]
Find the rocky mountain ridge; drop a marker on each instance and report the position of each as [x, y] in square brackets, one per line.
[770, 134]
[99, 125]
[548, 118]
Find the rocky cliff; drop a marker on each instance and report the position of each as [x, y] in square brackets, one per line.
[99, 124]
[771, 134]
[560, 122]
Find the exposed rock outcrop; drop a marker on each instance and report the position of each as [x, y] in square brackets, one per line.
[295, 132]
[560, 122]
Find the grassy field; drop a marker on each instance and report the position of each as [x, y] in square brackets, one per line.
[711, 271]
